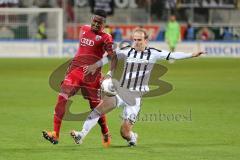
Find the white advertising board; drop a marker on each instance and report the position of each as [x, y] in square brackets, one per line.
[48, 49]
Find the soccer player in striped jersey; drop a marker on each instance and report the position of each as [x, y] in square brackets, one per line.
[138, 63]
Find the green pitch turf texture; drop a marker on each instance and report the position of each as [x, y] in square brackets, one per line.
[205, 103]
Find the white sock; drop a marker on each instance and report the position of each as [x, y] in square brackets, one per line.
[133, 138]
[91, 121]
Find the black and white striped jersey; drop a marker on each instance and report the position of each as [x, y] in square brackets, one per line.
[139, 64]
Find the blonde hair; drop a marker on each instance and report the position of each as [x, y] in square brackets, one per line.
[144, 31]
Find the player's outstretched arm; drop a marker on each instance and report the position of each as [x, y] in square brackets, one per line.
[91, 69]
[197, 54]
[181, 55]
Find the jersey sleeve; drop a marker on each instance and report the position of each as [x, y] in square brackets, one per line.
[163, 54]
[108, 44]
[160, 54]
[122, 53]
[179, 55]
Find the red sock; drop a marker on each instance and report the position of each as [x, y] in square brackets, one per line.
[59, 113]
[103, 123]
[102, 120]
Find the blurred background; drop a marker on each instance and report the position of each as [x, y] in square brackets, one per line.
[43, 28]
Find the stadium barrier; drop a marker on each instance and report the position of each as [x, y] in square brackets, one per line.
[34, 48]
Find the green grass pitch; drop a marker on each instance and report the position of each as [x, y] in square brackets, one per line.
[205, 98]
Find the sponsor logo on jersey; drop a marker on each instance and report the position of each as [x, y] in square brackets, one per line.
[136, 60]
[98, 37]
[86, 42]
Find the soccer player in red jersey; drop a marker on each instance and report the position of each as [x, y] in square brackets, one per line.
[94, 42]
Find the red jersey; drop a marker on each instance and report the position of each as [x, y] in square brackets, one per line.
[92, 47]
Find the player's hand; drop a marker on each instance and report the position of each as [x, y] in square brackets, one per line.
[91, 69]
[196, 54]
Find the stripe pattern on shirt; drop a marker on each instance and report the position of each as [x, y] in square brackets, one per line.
[136, 70]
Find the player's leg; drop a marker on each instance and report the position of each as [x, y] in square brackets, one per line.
[66, 92]
[102, 120]
[127, 133]
[68, 89]
[106, 137]
[92, 93]
[106, 105]
[129, 118]
[93, 96]
[172, 49]
[173, 45]
[59, 112]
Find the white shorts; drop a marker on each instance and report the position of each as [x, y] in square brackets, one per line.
[129, 112]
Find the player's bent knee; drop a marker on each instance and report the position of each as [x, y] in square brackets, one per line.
[68, 90]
